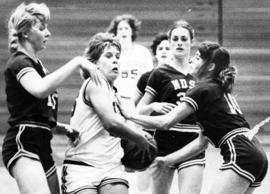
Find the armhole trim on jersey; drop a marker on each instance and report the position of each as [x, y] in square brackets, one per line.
[191, 102]
[88, 102]
[151, 91]
[23, 72]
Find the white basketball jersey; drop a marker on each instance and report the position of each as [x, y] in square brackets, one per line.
[132, 65]
[96, 146]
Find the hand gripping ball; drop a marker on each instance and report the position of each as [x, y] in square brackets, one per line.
[134, 158]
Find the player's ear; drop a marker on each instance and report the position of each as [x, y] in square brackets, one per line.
[211, 66]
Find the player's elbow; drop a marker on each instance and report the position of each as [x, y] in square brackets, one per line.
[203, 142]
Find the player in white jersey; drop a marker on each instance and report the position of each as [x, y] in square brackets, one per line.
[135, 59]
[94, 164]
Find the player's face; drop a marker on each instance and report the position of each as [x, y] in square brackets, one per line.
[180, 42]
[195, 63]
[163, 53]
[109, 62]
[38, 35]
[124, 30]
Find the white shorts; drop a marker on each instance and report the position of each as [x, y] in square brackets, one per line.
[76, 178]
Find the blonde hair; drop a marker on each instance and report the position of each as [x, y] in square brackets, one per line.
[22, 19]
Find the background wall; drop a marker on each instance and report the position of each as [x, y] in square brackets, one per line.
[73, 22]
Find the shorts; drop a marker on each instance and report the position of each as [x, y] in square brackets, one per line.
[246, 158]
[171, 141]
[31, 141]
[79, 176]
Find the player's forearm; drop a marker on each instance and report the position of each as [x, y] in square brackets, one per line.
[150, 121]
[52, 81]
[119, 128]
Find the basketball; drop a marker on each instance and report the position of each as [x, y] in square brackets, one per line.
[134, 158]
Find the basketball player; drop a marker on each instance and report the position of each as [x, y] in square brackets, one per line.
[32, 100]
[94, 165]
[244, 160]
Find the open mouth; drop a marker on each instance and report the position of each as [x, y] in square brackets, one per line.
[115, 69]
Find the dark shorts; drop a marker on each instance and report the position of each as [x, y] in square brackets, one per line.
[247, 158]
[171, 141]
[31, 141]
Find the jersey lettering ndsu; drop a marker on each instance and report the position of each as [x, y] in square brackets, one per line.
[167, 84]
[217, 111]
[24, 107]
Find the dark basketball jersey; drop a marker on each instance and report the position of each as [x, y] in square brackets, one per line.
[217, 111]
[142, 82]
[24, 107]
[167, 84]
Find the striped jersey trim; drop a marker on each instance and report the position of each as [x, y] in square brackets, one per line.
[151, 91]
[24, 71]
[232, 164]
[231, 134]
[34, 126]
[21, 151]
[186, 128]
[192, 163]
[51, 171]
[114, 180]
[139, 92]
[192, 102]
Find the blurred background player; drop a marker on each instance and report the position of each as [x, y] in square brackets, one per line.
[244, 161]
[135, 59]
[94, 165]
[169, 83]
[32, 100]
[161, 51]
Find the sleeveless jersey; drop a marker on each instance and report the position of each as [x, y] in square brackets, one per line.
[132, 66]
[217, 111]
[24, 107]
[96, 146]
[167, 84]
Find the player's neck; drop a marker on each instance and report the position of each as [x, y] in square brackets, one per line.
[29, 51]
[126, 44]
[181, 64]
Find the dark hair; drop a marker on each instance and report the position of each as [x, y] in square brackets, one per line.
[213, 53]
[157, 40]
[96, 46]
[182, 24]
[133, 22]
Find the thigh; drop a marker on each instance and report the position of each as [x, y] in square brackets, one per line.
[227, 181]
[114, 188]
[143, 180]
[162, 183]
[54, 183]
[190, 179]
[30, 176]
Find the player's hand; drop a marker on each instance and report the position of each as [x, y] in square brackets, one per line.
[90, 70]
[73, 136]
[159, 166]
[162, 107]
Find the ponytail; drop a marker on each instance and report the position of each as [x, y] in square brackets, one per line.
[22, 19]
[226, 78]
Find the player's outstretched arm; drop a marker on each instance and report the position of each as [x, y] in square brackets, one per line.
[114, 123]
[162, 122]
[42, 87]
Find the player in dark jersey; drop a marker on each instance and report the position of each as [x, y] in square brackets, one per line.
[245, 163]
[161, 51]
[168, 83]
[32, 100]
